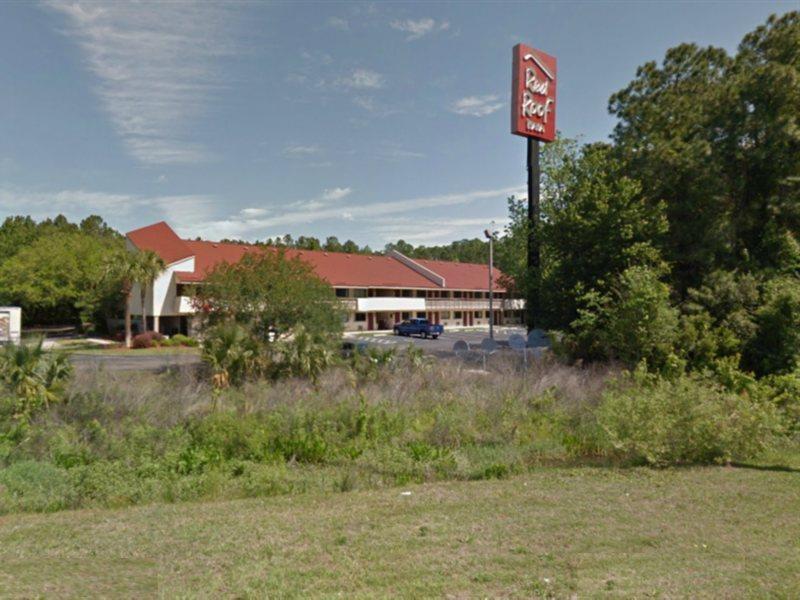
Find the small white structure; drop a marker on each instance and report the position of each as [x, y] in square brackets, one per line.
[10, 324]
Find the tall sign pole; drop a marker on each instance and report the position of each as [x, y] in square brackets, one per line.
[534, 246]
[533, 115]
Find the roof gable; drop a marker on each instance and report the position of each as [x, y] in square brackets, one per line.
[161, 239]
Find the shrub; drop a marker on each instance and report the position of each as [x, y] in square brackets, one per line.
[147, 340]
[185, 340]
[784, 392]
[305, 355]
[34, 377]
[34, 486]
[689, 419]
[233, 354]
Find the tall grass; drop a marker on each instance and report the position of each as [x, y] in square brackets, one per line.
[122, 438]
[125, 438]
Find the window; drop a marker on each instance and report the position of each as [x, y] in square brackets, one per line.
[420, 293]
[406, 315]
[360, 293]
[478, 314]
[486, 314]
[341, 293]
[361, 317]
[457, 314]
[406, 293]
[420, 315]
[456, 294]
[444, 314]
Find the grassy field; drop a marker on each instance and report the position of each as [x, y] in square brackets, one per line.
[585, 532]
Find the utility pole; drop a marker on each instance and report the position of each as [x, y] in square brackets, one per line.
[532, 300]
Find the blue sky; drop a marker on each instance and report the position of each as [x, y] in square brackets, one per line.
[366, 121]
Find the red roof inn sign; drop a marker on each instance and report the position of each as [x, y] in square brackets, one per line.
[533, 94]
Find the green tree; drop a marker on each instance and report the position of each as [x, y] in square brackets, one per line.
[59, 278]
[271, 295]
[401, 246]
[597, 225]
[775, 347]
[350, 247]
[632, 322]
[332, 244]
[716, 138]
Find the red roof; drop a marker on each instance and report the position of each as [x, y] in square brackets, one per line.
[337, 268]
[162, 240]
[463, 276]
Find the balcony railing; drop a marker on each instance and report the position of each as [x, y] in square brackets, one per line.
[184, 304]
[459, 303]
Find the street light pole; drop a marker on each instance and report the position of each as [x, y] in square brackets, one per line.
[489, 233]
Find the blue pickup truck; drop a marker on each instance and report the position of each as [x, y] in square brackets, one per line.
[419, 327]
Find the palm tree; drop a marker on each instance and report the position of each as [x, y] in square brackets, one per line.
[129, 268]
[121, 268]
[149, 266]
[34, 375]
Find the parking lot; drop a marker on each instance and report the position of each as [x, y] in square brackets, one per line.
[443, 346]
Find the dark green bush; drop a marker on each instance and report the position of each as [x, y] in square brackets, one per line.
[184, 340]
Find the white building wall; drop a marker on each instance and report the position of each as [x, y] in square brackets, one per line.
[164, 288]
[161, 296]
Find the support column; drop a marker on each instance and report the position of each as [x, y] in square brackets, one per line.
[532, 308]
[156, 320]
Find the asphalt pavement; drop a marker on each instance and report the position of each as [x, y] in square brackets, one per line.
[443, 346]
[133, 362]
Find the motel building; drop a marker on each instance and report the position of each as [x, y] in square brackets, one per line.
[377, 290]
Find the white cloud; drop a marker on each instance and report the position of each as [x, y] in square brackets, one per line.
[300, 150]
[362, 79]
[447, 230]
[338, 23]
[312, 211]
[161, 178]
[156, 66]
[419, 28]
[336, 193]
[327, 197]
[253, 212]
[120, 209]
[477, 106]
